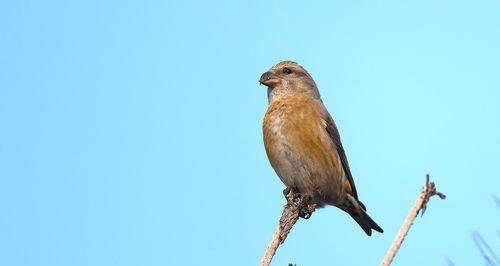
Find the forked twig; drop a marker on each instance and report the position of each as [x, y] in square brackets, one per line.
[484, 248]
[427, 192]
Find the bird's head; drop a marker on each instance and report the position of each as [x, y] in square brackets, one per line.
[288, 78]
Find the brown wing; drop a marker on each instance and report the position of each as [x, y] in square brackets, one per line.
[332, 130]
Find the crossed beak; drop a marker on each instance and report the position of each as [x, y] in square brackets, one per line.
[268, 79]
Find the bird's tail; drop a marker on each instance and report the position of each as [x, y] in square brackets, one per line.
[358, 213]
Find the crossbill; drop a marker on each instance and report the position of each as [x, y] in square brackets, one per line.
[303, 143]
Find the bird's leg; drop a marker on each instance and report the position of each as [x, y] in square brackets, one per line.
[302, 202]
[288, 190]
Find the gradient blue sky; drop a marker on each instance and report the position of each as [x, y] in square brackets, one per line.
[131, 130]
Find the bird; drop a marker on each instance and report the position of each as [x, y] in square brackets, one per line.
[303, 143]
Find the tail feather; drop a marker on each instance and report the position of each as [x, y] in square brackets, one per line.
[365, 221]
[357, 211]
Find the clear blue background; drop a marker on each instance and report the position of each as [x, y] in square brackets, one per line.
[131, 131]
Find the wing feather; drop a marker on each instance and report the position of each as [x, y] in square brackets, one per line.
[332, 130]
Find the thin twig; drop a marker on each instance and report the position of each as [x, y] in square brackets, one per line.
[298, 205]
[427, 192]
[497, 201]
[484, 248]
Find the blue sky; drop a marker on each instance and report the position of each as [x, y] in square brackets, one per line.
[131, 130]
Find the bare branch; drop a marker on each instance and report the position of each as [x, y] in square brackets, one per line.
[298, 205]
[427, 192]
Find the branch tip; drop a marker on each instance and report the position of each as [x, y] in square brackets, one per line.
[427, 192]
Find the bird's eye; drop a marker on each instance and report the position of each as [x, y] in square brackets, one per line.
[287, 70]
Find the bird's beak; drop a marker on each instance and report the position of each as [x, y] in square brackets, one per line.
[268, 79]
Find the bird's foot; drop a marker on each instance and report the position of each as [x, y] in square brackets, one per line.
[301, 201]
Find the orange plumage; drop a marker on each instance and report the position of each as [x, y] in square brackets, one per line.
[292, 134]
[303, 144]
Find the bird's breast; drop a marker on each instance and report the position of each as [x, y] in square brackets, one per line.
[298, 147]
